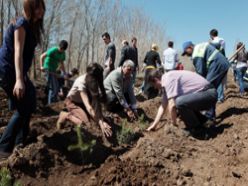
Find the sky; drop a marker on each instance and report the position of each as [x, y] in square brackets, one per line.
[191, 20]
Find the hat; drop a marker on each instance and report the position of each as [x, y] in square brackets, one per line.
[186, 45]
[154, 47]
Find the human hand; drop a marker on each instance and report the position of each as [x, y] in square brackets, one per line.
[42, 69]
[19, 89]
[131, 115]
[151, 127]
[106, 129]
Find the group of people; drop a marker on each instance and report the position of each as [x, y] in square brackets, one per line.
[190, 95]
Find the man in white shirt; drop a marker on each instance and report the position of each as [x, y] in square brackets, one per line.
[170, 58]
[217, 41]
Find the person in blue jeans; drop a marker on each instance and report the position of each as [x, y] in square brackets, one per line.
[16, 55]
[210, 63]
[241, 67]
[49, 63]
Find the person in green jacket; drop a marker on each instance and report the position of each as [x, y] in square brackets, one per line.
[49, 62]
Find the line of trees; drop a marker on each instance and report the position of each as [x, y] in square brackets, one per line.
[82, 22]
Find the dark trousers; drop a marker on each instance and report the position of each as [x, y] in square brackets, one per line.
[190, 105]
[113, 104]
[17, 129]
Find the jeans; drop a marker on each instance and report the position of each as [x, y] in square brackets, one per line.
[240, 74]
[53, 87]
[220, 91]
[17, 129]
[190, 105]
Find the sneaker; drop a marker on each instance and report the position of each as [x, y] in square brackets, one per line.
[4, 155]
[209, 123]
[62, 118]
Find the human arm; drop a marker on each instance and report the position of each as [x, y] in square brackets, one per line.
[172, 110]
[117, 85]
[19, 40]
[111, 52]
[158, 60]
[42, 58]
[158, 117]
[106, 129]
[122, 59]
[200, 66]
[132, 99]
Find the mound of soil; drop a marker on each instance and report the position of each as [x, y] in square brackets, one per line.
[164, 157]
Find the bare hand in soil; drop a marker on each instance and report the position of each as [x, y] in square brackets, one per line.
[151, 128]
[106, 129]
[131, 115]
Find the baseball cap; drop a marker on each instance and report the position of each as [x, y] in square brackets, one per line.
[186, 45]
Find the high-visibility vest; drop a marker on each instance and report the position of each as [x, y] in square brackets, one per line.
[199, 51]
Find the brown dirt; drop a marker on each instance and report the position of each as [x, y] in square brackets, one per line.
[163, 157]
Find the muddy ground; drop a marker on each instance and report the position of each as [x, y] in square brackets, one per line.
[165, 157]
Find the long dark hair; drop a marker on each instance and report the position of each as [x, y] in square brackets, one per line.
[94, 82]
[29, 7]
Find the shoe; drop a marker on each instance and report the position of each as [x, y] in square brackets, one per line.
[220, 101]
[186, 133]
[18, 148]
[4, 155]
[62, 118]
[209, 123]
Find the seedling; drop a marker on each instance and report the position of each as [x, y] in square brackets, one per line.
[81, 145]
[125, 135]
[6, 178]
[142, 122]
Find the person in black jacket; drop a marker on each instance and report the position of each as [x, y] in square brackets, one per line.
[129, 53]
[152, 61]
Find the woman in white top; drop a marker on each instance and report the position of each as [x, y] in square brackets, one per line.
[83, 101]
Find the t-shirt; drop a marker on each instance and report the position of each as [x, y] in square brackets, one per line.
[77, 87]
[7, 50]
[53, 58]
[170, 59]
[110, 52]
[178, 83]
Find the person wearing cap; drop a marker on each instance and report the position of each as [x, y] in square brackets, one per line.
[186, 94]
[209, 63]
[119, 90]
[151, 61]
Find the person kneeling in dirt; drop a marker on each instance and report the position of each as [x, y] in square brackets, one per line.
[184, 92]
[83, 100]
[119, 90]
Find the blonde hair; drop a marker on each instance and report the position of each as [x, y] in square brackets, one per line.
[154, 47]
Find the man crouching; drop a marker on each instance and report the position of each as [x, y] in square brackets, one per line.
[185, 93]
